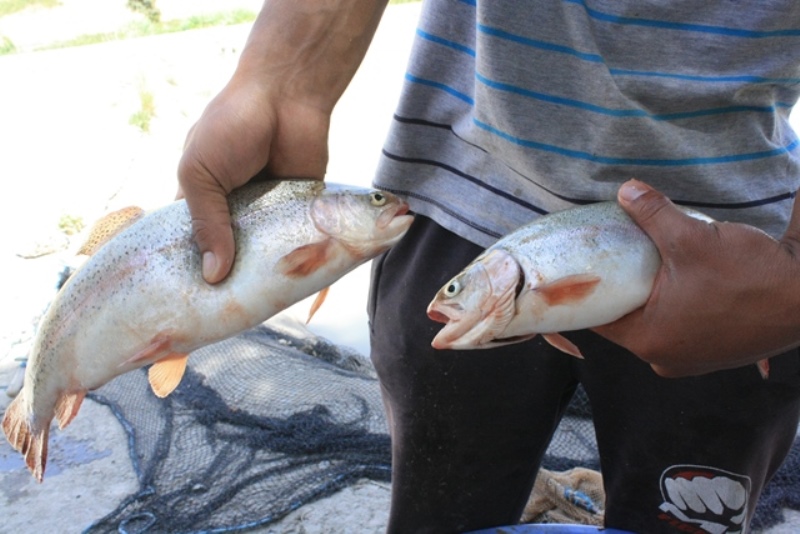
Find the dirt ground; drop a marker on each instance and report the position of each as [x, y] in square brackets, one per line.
[69, 152]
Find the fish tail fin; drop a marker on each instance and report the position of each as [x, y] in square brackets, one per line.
[29, 441]
[67, 407]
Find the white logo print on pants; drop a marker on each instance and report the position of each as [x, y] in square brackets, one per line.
[711, 499]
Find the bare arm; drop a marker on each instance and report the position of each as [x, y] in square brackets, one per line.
[274, 113]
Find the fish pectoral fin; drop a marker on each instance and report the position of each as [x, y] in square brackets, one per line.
[317, 303]
[763, 368]
[108, 226]
[306, 259]
[569, 289]
[165, 375]
[563, 344]
[67, 408]
[30, 442]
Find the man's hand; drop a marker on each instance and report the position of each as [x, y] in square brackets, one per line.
[239, 134]
[274, 114]
[726, 295]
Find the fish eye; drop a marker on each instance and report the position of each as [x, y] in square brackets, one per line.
[377, 199]
[453, 288]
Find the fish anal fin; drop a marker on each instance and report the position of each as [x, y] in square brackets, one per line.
[317, 303]
[30, 442]
[568, 290]
[305, 260]
[763, 368]
[563, 344]
[159, 347]
[165, 375]
[109, 226]
[67, 407]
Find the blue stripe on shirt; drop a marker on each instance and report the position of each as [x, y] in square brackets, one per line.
[610, 160]
[610, 111]
[443, 87]
[595, 58]
[622, 113]
[684, 26]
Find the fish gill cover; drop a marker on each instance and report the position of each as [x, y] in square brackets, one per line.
[268, 421]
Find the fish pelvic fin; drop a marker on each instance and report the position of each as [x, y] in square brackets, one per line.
[763, 368]
[109, 226]
[306, 259]
[563, 344]
[317, 303]
[569, 289]
[165, 375]
[68, 406]
[30, 442]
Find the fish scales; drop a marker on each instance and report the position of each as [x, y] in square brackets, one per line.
[141, 299]
[569, 270]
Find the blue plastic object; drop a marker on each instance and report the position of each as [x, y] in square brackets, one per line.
[549, 529]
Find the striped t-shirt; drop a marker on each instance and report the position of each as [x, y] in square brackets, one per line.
[513, 109]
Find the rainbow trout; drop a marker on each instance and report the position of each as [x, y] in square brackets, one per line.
[141, 298]
[569, 270]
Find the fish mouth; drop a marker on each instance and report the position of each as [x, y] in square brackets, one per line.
[496, 280]
[398, 211]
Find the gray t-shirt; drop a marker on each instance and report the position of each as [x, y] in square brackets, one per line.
[515, 109]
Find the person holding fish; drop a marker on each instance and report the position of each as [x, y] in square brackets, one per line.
[511, 111]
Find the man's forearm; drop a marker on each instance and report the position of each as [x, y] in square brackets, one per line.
[309, 50]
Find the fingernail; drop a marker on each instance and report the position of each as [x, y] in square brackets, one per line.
[631, 190]
[209, 265]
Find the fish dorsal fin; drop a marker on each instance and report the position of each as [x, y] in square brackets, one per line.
[306, 259]
[67, 408]
[563, 344]
[569, 289]
[108, 226]
[165, 375]
[317, 303]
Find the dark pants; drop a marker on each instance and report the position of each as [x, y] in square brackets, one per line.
[469, 428]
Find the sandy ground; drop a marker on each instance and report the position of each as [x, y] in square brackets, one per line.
[67, 150]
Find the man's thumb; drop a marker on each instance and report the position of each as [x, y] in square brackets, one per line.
[650, 209]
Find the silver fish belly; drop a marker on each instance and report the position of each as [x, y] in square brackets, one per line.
[141, 299]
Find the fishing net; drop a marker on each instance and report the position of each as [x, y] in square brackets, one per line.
[276, 418]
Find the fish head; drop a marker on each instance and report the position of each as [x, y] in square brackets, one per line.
[478, 304]
[367, 222]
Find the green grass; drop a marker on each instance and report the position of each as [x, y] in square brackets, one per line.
[8, 7]
[146, 27]
[6, 45]
[147, 110]
[71, 224]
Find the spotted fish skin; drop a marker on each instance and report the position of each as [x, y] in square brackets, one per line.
[573, 269]
[141, 298]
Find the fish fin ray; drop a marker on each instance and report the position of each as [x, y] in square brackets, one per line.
[306, 259]
[569, 289]
[159, 345]
[67, 408]
[30, 442]
[108, 226]
[563, 344]
[763, 368]
[165, 375]
[317, 303]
